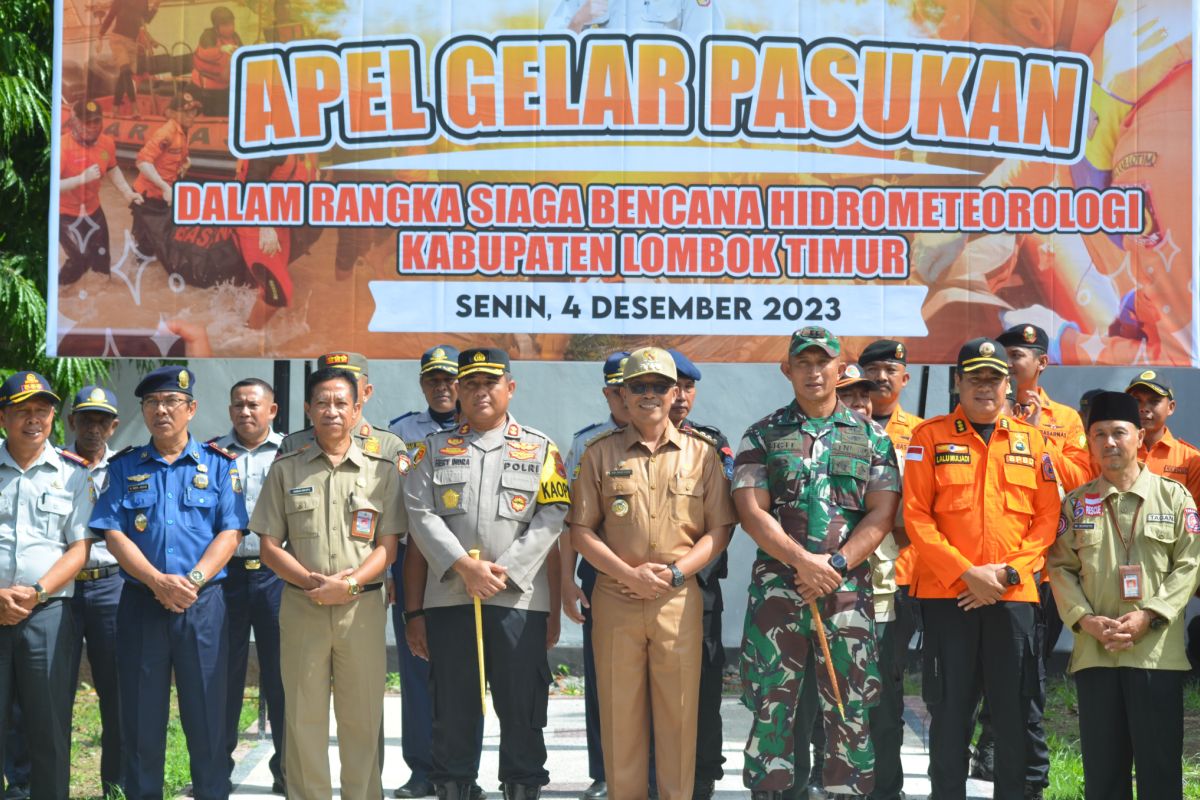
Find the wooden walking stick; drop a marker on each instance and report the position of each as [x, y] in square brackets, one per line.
[479, 645]
[819, 624]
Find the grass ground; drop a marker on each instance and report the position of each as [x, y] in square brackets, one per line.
[85, 744]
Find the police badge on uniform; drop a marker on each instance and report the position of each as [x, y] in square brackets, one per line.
[140, 522]
[620, 506]
[200, 480]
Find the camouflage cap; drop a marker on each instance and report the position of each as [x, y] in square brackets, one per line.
[650, 361]
[814, 336]
[1154, 381]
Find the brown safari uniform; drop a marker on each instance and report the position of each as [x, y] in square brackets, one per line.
[330, 518]
[649, 507]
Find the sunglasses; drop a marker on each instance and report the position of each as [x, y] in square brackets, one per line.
[641, 388]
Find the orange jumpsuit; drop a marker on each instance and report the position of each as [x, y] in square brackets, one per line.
[167, 150]
[899, 429]
[967, 503]
[1067, 441]
[1176, 459]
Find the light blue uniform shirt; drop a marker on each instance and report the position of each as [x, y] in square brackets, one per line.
[43, 510]
[98, 555]
[172, 512]
[414, 426]
[253, 466]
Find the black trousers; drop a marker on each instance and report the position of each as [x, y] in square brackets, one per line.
[514, 646]
[708, 722]
[1131, 717]
[991, 649]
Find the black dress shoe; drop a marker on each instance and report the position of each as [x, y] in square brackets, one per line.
[278, 787]
[597, 791]
[703, 789]
[415, 788]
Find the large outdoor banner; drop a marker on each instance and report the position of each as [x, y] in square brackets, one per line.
[282, 178]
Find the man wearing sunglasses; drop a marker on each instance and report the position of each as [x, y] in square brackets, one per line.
[651, 508]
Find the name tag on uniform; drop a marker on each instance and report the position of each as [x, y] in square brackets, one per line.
[620, 473]
[1131, 581]
[364, 524]
[301, 490]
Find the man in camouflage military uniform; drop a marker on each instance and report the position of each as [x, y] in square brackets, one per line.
[817, 489]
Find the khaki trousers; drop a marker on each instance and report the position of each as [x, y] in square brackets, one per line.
[648, 670]
[343, 646]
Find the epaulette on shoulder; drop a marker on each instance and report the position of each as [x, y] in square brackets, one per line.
[75, 457]
[1186, 443]
[927, 422]
[696, 433]
[402, 416]
[216, 448]
[535, 432]
[1177, 483]
[280, 455]
[213, 439]
[600, 436]
[132, 448]
[585, 429]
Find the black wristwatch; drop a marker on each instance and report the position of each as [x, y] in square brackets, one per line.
[1157, 622]
[677, 576]
[416, 613]
[1011, 576]
[838, 562]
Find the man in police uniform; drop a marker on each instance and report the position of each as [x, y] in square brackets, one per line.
[1160, 451]
[577, 597]
[979, 494]
[329, 516]
[45, 501]
[709, 735]
[499, 487]
[439, 384]
[648, 631]
[816, 487]
[693, 18]
[93, 420]
[252, 590]
[1124, 567]
[172, 515]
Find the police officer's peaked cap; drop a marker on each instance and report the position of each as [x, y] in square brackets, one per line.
[351, 362]
[1155, 381]
[1030, 336]
[613, 372]
[884, 350]
[442, 358]
[650, 361]
[982, 353]
[684, 366]
[95, 398]
[482, 360]
[25, 385]
[167, 379]
[814, 336]
[852, 375]
[1107, 406]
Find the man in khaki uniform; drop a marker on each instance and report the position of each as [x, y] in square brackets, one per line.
[329, 517]
[651, 508]
[1125, 564]
[369, 438]
[497, 486]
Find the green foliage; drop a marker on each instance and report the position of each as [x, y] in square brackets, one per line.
[26, 44]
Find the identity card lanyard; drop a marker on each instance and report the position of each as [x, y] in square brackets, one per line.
[1130, 575]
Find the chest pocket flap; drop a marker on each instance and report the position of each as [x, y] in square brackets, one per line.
[1022, 483]
[55, 502]
[199, 498]
[956, 487]
[520, 481]
[617, 487]
[446, 476]
[138, 500]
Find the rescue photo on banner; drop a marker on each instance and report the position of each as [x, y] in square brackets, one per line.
[566, 177]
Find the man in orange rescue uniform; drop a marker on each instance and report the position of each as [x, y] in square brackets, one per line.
[979, 494]
[1160, 451]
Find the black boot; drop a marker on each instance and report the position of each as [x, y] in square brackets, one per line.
[455, 790]
[521, 791]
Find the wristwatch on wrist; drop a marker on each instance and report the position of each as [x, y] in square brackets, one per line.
[43, 596]
[352, 586]
[677, 576]
[838, 562]
[1011, 576]
[416, 613]
[1157, 622]
[197, 578]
